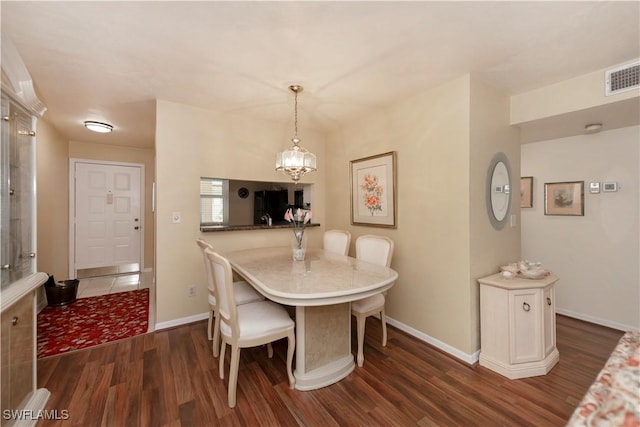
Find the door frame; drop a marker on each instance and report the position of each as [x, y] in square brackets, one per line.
[72, 207]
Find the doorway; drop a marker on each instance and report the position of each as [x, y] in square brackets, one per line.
[105, 221]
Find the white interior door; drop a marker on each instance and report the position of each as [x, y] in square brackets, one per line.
[108, 223]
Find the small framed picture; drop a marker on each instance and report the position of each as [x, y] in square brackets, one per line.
[373, 190]
[526, 192]
[564, 198]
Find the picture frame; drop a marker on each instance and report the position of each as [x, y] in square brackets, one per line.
[564, 198]
[526, 192]
[373, 190]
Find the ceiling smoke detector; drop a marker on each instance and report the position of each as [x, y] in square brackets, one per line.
[593, 128]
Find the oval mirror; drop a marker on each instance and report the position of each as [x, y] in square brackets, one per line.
[499, 190]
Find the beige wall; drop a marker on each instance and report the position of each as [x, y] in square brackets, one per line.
[570, 95]
[52, 189]
[190, 143]
[596, 256]
[490, 248]
[444, 139]
[113, 153]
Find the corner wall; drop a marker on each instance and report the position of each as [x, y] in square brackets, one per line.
[596, 256]
[444, 144]
[52, 189]
[490, 248]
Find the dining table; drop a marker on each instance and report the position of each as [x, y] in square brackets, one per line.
[321, 288]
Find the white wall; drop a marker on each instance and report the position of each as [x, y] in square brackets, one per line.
[596, 256]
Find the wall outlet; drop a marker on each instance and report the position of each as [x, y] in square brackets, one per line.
[192, 291]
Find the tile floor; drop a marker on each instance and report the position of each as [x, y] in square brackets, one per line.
[94, 286]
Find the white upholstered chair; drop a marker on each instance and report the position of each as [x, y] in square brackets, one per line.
[247, 325]
[376, 250]
[243, 293]
[337, 241]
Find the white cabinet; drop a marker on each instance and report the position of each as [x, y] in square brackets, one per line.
[518, 326]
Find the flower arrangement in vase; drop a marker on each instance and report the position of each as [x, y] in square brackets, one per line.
[298, 221]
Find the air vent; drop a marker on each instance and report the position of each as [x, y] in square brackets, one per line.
[622, 79]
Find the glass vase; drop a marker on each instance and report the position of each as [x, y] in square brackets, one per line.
[298, 245]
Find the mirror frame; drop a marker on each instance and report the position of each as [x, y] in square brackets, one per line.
[497, 159]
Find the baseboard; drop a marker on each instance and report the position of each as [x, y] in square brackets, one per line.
[596, 320]
[182, 321]
[470, 359]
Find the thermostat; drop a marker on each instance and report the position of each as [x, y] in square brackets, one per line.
[594, 187]
[610, 186]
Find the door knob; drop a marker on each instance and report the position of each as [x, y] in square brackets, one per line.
[136, 227]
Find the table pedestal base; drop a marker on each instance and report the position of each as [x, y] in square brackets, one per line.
[323, 345]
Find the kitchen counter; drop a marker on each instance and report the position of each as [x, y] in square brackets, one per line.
[207, 228]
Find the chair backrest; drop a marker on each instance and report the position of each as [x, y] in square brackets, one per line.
[337, 241]
[222, 277]
[374, 249]
[207, 267]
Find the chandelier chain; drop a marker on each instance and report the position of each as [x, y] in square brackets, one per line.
[295, 115]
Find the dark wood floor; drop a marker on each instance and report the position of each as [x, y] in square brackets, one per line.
[170, 378]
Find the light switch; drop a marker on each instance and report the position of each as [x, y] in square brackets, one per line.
[176, 217]
[513, 221]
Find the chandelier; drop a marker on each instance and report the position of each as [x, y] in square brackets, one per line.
[295, 161]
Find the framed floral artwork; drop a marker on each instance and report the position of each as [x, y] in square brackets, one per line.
[373, 190]
[526, 192]
[564, 198]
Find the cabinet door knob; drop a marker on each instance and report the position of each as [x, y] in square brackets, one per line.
[526, 306]
[548, 301]
[14, 320]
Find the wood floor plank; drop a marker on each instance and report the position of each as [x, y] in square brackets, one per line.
[170, 378]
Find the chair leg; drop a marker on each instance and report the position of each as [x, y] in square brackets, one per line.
[361, 322]
[291, 345]
[383, 319]
[223, 348]
[209, 325]
[269, 350]
[233, 375]
[216, 336]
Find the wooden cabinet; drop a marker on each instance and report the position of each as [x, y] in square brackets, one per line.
[518, 326]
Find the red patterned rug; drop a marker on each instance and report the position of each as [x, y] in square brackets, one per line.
[92, 321]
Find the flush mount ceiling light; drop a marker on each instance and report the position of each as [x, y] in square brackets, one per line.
[593, 128]
[98, 126]
[295, 161]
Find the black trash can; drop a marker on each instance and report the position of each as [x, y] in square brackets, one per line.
[61, 293]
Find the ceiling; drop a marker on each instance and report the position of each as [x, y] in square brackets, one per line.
[110, 61]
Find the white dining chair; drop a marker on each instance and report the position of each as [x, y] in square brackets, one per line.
[243, 293]
[247, 325]
[337, 241]
[376, 250]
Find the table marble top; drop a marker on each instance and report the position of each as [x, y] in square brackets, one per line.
[322, 278]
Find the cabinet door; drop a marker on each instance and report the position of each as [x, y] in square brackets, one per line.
[526, 324]
[17, 353]
[548, 300]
